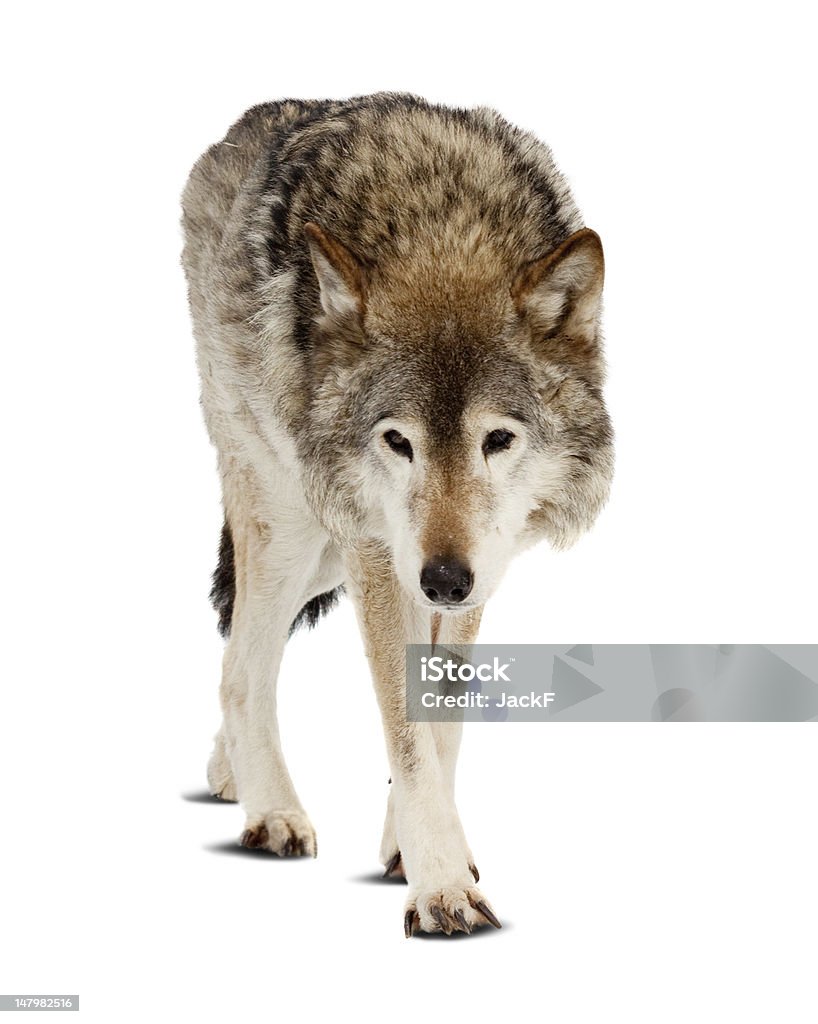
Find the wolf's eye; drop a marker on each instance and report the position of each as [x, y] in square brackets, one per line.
[497, 441]
[398, 443]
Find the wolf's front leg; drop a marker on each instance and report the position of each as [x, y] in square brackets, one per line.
[435, 856]
[270, 583]
[450, 630]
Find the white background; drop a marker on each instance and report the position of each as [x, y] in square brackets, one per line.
[644, 873]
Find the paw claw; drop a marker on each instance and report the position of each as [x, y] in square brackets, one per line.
[462, 922]
[475, 872]
[253, 838]
[409, 922]
[440, 917]
[487, 912]
[392, 865]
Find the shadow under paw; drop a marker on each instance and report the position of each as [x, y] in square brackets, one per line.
[203, 796]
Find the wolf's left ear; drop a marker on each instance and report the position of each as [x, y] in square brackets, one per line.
[563, 290]
[340, 276]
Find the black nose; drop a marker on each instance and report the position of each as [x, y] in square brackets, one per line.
[446, 582]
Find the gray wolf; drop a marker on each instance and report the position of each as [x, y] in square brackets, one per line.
[397, 314]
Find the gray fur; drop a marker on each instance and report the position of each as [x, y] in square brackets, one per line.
[396, 309]
[404, 185]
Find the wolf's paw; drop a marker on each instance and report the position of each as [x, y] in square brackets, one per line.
[447, 910]
[226, 792]
[287, 833]
[220, 779]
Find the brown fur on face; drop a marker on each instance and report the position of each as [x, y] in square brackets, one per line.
[451, 231]
[450, 514]
[379, 286]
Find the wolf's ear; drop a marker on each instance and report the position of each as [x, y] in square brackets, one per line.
[340, 276]
[563, 290]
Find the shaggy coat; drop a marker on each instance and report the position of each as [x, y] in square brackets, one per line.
[396, 308]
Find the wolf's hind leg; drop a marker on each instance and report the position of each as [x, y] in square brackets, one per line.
[220, 779]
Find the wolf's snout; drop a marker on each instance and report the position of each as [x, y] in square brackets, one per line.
[446, 582]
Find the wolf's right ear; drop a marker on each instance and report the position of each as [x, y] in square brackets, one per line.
[340, 276]
[563, 290]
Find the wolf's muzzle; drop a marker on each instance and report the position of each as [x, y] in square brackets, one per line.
[446, 582]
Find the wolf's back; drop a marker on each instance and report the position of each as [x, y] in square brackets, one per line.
[228, 166]
[401, 182]
[440, 205]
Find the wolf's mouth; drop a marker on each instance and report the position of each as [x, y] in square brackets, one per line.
[449, 608]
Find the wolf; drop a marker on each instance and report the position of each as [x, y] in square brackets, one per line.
[396, 306]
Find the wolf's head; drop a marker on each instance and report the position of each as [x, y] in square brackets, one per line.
[459, 406]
